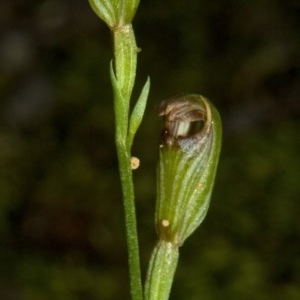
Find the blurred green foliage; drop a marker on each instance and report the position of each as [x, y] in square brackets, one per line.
[61, 223]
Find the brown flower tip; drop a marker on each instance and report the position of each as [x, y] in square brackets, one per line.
[187, 119]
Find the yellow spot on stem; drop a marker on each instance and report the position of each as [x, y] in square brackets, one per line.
[135, 162]
[165, 223]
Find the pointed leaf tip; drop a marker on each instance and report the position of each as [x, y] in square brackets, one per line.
[138, 112]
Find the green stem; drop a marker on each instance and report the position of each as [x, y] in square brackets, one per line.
[123, 80]
[118, 15]
[130, 221]
[162, 266]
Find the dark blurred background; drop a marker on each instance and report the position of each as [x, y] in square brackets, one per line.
[61, 222]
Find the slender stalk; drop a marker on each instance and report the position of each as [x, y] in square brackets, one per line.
[125, 51]
[118, 15]
[130, 221]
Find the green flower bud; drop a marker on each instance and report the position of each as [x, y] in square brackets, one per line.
[115, 13]
[189, 153]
